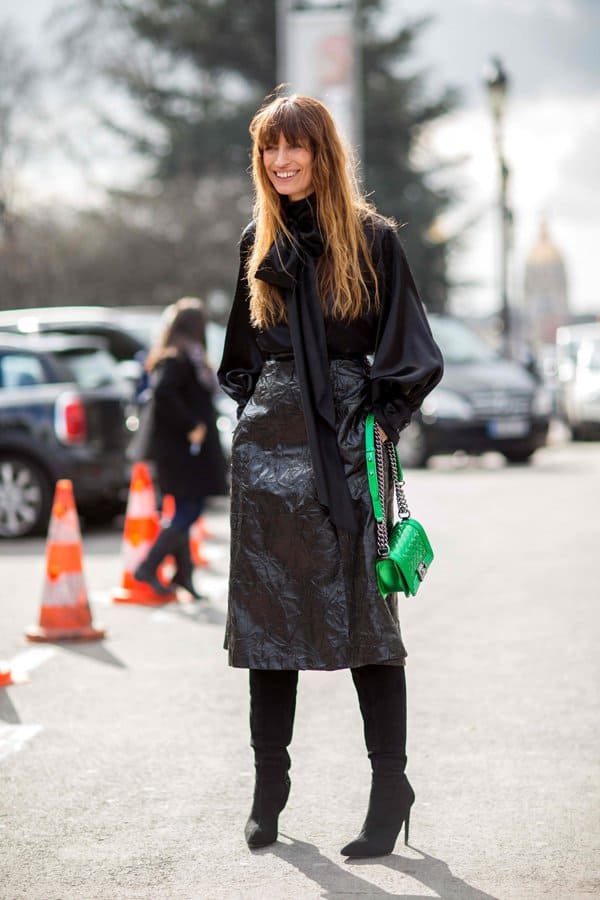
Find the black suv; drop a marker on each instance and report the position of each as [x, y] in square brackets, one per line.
[483, 402]
[62, 415]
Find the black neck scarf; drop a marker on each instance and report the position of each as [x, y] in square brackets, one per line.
[291, 266]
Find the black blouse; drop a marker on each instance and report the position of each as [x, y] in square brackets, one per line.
[407, 363]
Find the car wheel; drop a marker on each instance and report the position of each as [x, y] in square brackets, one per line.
[518, 457]
[25, 497]
[412, 448]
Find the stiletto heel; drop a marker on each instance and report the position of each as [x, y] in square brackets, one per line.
[389, 809]
[270, 797]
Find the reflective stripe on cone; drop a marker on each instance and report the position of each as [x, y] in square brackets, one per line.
[65, 613]
[141, 529]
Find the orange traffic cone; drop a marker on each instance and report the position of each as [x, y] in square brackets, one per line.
[141, 530]
[5, 676]
[65, 613]
[8, 676]
[197, 533]
[168, 507]
[206, 532]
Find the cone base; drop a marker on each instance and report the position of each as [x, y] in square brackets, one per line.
[39, 634]
[126, 595]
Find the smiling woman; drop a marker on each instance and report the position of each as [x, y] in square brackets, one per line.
[289, 167]
[323, 282]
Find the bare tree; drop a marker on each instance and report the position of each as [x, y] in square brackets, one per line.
[18, 78]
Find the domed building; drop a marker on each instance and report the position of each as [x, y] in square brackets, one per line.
[546, 303]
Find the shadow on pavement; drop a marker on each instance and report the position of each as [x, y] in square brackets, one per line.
[432, 873]
[202, 612]
[8, 713]
[341, 880]
[97, 651]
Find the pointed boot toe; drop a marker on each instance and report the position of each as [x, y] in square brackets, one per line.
[270, 798]
[389, 809]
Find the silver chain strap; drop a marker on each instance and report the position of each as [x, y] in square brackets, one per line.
[403, 510]
[383, 547]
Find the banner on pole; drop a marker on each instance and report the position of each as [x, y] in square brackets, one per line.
[320, 60]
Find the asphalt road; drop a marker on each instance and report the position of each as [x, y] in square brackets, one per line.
[125, 770]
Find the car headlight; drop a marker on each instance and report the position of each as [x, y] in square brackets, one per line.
[542, 402]
[443, 404]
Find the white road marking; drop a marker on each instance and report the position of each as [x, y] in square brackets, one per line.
[24, 663]
[14, 737]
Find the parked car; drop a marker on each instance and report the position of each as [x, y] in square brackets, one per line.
[128, 333]
[62, 415]
[484, 402]
[578, 353]
[125, 331]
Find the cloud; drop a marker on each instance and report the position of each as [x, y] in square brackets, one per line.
[555, 170]
[546, 45]
[578, 177]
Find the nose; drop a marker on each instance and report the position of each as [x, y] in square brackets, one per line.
[282, 155]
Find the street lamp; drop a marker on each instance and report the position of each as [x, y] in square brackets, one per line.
[496, 81]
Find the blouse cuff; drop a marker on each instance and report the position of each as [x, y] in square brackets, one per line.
[392, 418]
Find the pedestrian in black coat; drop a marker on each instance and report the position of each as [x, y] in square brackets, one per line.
[323, 284]
[184, 441]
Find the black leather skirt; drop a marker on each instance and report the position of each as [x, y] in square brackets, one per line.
[301, 594]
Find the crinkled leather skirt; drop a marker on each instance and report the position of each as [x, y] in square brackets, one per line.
[301, 594]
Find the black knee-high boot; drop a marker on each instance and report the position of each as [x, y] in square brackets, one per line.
[382, 697]
[272, 708]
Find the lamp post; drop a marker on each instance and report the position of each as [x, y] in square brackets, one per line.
[496, 81]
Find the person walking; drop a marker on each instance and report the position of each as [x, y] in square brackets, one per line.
[183, 438]
[323, 283]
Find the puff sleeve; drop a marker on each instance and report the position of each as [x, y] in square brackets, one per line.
[242, 360]
[407, 363]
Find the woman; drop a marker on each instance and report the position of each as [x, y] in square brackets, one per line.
[323, 282]
[184, 442]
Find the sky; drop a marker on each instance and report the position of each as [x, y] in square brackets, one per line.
[549, 49]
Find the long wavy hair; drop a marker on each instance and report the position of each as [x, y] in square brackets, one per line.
[345, 266]
[184, 329]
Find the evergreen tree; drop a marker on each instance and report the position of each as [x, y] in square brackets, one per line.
[202, 68]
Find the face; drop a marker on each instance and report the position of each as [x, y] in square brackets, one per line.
[289, 167]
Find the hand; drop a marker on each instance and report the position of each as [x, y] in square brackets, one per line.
[382, 433]
[197, 434]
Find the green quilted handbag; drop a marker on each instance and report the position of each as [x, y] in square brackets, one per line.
[405, 557]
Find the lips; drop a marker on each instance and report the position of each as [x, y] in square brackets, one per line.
[285, 175]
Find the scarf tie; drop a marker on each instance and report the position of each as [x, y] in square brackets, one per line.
[291, 266]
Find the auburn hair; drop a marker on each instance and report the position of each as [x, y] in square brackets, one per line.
[340, 208]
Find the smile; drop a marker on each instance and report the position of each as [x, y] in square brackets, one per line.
[287, 174]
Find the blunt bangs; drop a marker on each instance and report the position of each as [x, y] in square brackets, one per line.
[286, 119]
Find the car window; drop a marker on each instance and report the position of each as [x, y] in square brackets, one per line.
[90, 367]
[21, 370]
[458, 343]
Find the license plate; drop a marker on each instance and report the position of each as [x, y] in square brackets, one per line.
[508, 428]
